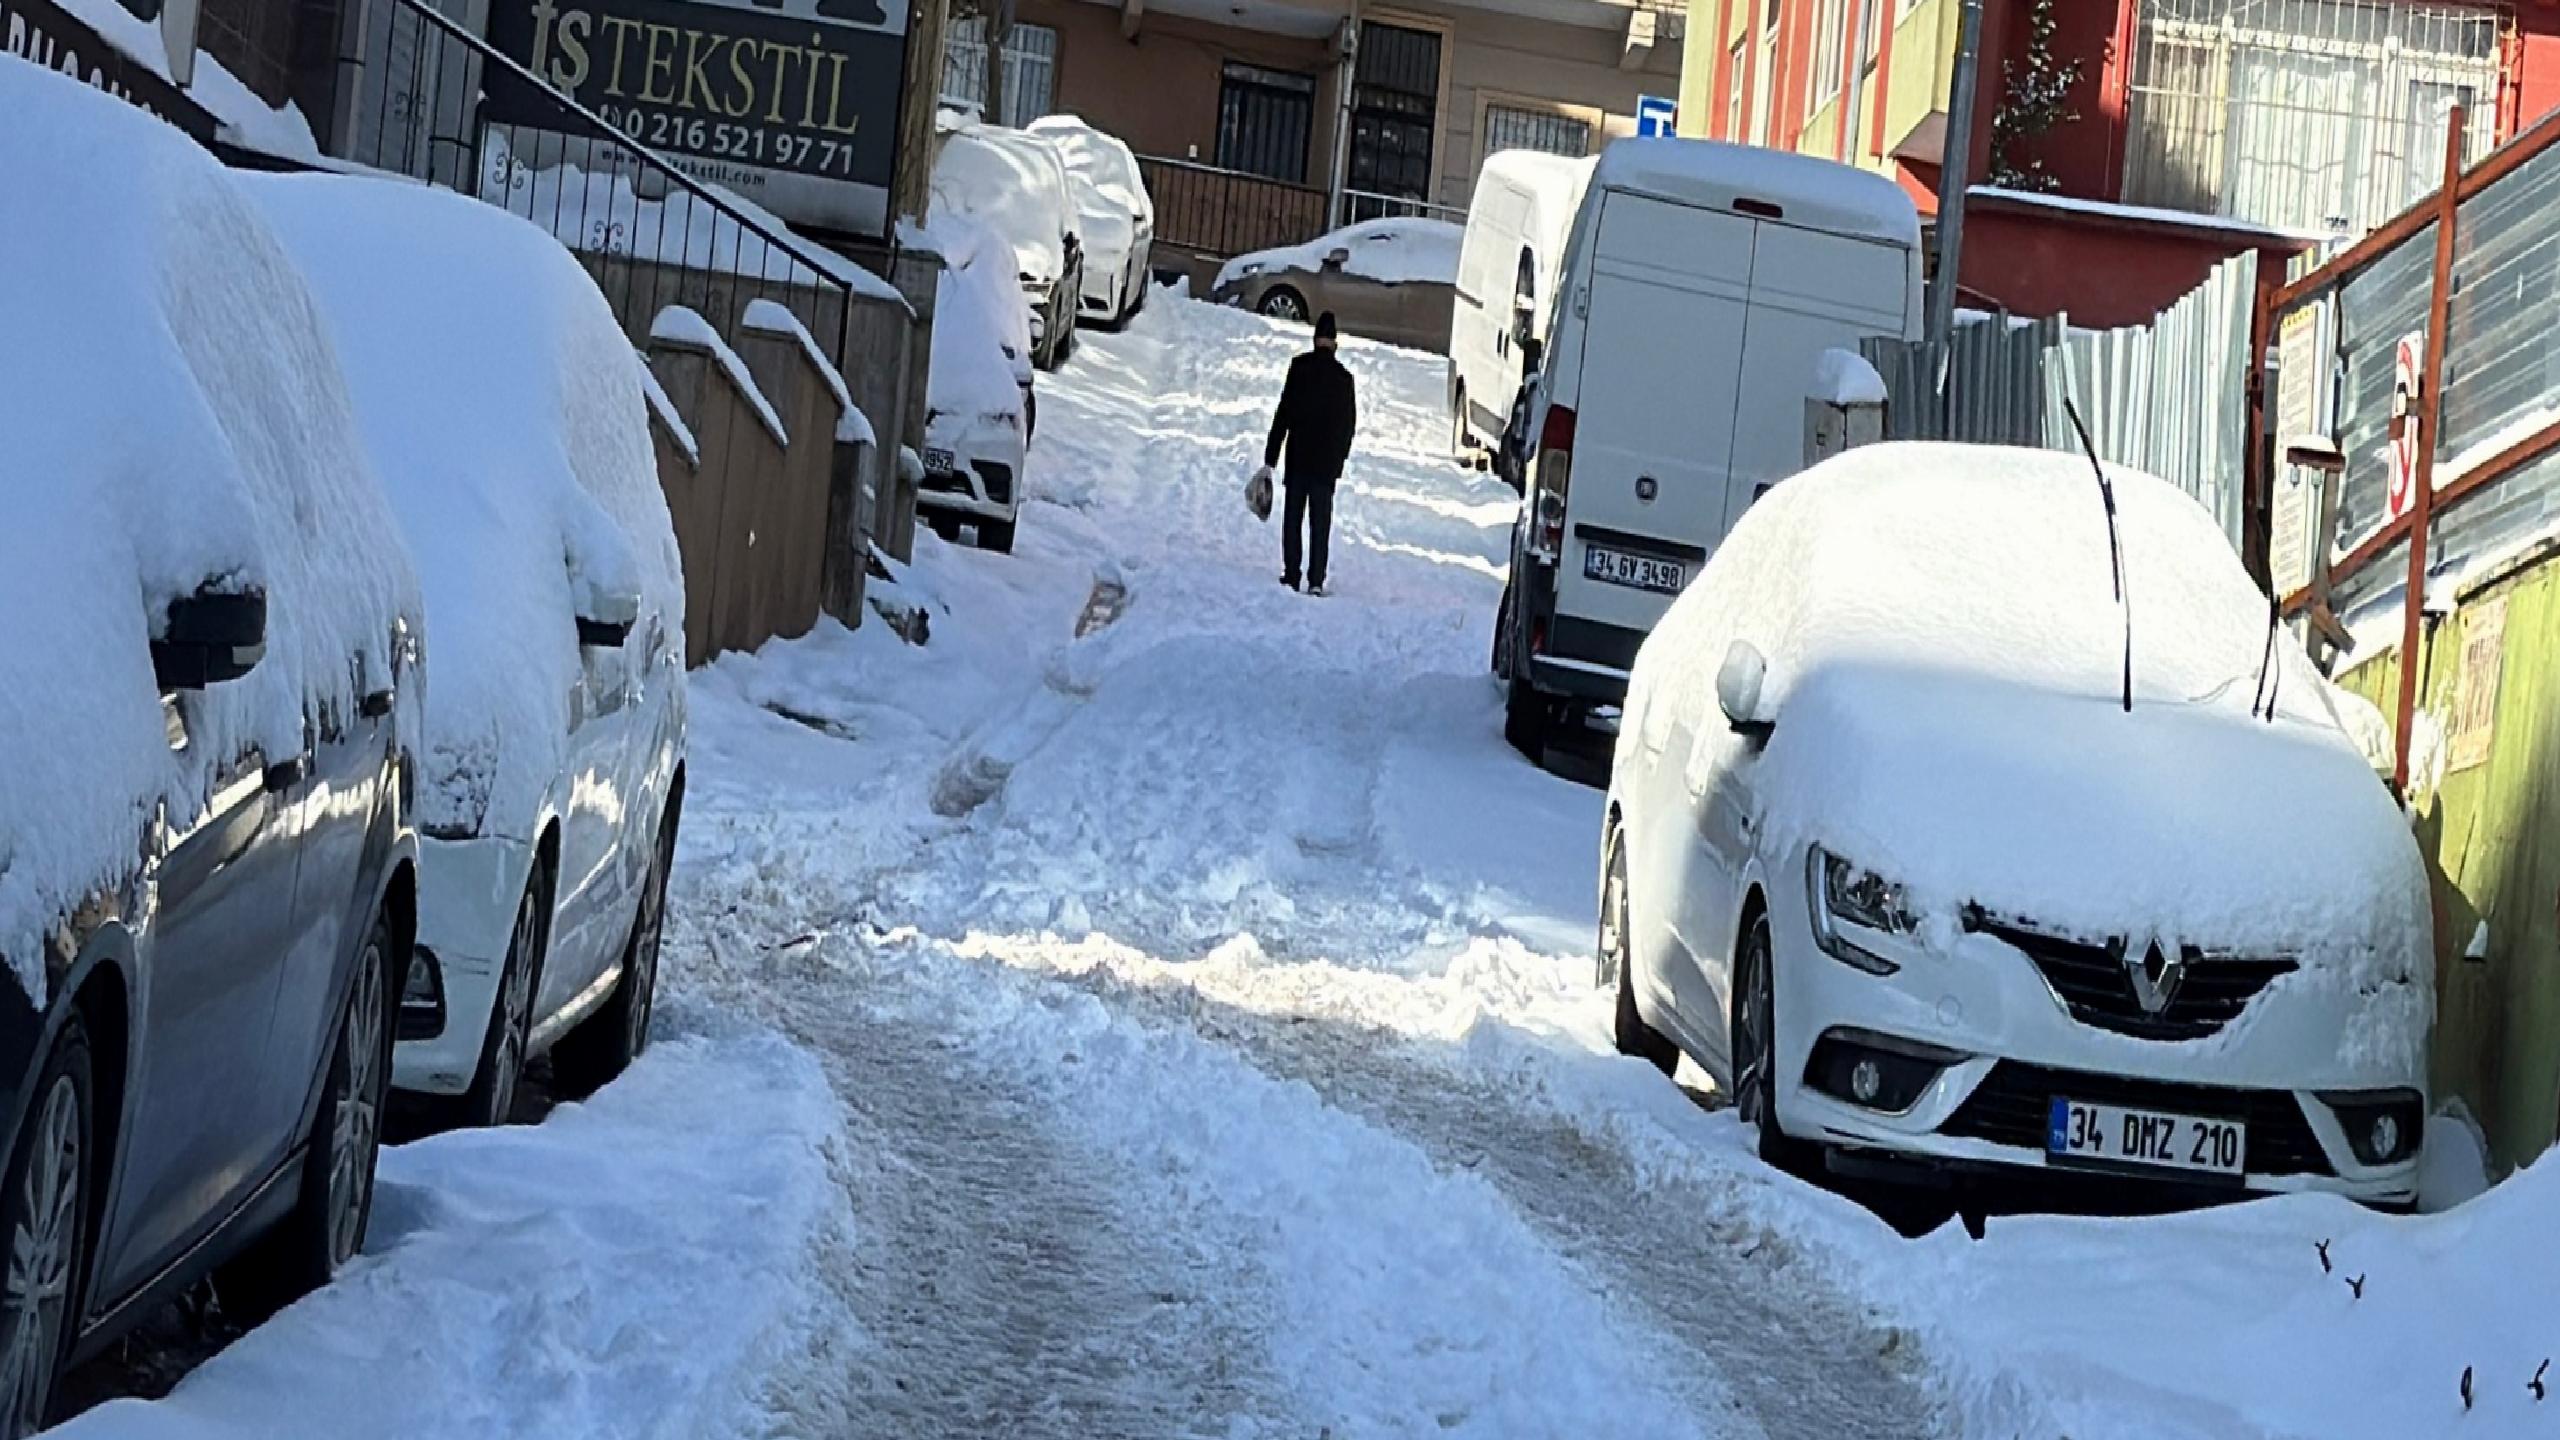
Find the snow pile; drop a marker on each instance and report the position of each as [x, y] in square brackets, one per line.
[772, 317]
[981, 328]
[1101, 158]
[1014, 184]
[1944, 652]
[505, 412]
[627, 1267]
[1823, 194]
[171, 418]
[1843, 377]
[686, 329]
[245, 119]
[1391, 252]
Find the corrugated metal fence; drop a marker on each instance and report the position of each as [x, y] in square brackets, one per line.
[2168, 397]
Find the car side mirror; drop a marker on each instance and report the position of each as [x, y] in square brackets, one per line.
[605, 618]
[1336, 258]
[1738, 684]
[210, 638]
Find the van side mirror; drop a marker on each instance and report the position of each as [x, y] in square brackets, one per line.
[1738, 683]
[210, 638]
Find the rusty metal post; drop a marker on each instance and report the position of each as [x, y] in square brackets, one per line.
[2439, 302]
[2258, 473]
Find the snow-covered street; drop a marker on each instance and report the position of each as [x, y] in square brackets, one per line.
[1193, 1034]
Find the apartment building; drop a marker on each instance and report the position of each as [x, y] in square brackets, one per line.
[2178, 130]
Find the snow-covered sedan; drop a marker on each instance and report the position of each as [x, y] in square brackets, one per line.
[979, 410]
[1928, 864]
[1016, 185]
[1116, 218]
[504, 410]
[1390, 280]
[207, 694]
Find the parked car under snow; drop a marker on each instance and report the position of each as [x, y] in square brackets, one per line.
[979, 408]
[504, 409]
[1390, 280]
[1887, 853]
[1115, 217]
[1014, 183]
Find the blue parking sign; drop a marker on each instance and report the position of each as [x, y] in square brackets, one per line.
[1656, 114]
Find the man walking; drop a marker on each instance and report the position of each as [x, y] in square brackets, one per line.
[1313, 426]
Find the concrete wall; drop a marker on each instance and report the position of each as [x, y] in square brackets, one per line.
[2491, 834]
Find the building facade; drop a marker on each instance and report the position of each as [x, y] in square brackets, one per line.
[2286, 122]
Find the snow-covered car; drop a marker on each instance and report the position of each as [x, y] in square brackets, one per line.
[979, 410]
[553, 762]
[206, 696]
[1116, 218]
[1015, 184]
[1927, 865]
[1390, 280]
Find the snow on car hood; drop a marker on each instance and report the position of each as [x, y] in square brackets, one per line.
[981, 328]
[170, 415]
[1944, 653]
[505, 411]
[1016, 186]
[1392, 252]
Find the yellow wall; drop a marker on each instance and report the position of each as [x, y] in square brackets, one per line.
[1699, 55]
[1924, 50]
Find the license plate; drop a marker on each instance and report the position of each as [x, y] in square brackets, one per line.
[2078, 1130]
[1636, 572]
[940, 462]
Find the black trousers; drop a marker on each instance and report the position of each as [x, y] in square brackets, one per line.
[1309, 502]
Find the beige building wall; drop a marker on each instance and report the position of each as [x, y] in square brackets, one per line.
[1159, 92]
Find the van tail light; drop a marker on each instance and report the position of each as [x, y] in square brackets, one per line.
[1555, 478]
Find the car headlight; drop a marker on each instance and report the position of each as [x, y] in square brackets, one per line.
[1846, 899]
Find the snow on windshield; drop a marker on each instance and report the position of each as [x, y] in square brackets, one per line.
[982, 329]
[173, 418]
[1392, 252]
[1015, 185]
[1099, 159]
[544, 498]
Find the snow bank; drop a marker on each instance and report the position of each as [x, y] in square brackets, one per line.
[506, 413]
[1821, 193]
[1843, 377]
[680, 326]
[171, 417]
[1392, 252]
[628, 1267]
[1944, 653]
[1015, 185]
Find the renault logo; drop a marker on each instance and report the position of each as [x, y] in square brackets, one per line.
[1646, 488]
[2156, 970]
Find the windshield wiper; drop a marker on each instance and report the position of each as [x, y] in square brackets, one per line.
[2115, 545]
[2270, 674]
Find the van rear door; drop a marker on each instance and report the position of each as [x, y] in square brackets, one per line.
[1810, 291]
[1661, 362]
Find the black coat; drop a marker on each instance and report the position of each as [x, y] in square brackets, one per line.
[1315, 420]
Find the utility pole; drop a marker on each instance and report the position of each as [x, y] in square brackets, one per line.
[1952, 165]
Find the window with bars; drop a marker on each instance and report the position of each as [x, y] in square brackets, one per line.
[2318, 115]
[1521, 127]
[1030, 69]
[1395, 98]
[1264, 118]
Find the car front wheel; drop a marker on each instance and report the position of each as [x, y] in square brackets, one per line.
[605, 1043]
[45, 1212]
[1283, 303]
[1755, 1049]
[1616, 970]
[491, 1100]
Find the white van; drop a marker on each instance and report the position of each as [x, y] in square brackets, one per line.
[1516, 227]
[1700, 287]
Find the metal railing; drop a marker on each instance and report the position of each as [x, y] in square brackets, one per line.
[1359, 205]
[1222, 213]
[431, 100]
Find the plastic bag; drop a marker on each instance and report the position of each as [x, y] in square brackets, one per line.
[1257, 493]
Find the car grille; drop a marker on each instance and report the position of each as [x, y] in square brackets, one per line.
[2093, 984]
[2013, 1105]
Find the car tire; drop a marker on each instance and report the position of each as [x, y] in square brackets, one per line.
[1754, 1050]
[491, 1098]
[327, 1226]
[1613, 969]
[948, 527]
[1527, 715]
[1282, 303]
[1502, 636]
[996, 535]
[44, 1217]
[1459, 441]
[603, 1046]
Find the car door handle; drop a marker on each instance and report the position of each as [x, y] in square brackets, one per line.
[376, 704]
[285, 774]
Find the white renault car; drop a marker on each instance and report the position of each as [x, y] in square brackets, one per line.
[979, 410]
[1115, 217]
[1932, 861]
[504, 409]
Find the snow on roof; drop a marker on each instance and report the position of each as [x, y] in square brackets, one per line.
[854, 428]
[1555, 182]
[663, 407]
[245, 119]
[680, 326]
[1843, 377]
[1819, 194]
[171, 417]
[1392, 252]
[2149, 215]
[1944, 652]
[1016, 185]
[544, 505]
[771, 317]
